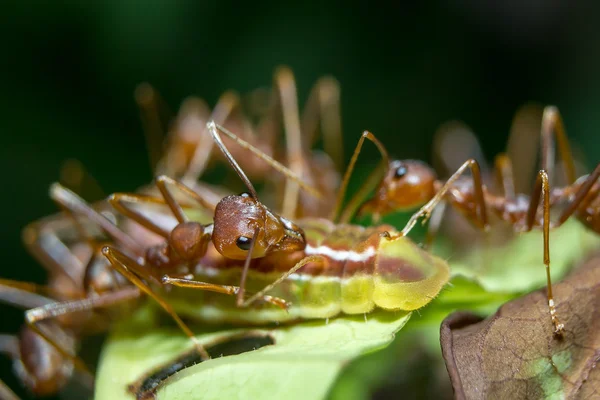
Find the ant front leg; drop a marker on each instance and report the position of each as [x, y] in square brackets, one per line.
[344, 186]
[131, 270]
[542, 187]
[425, 211]
[224, 289]
[236, 290]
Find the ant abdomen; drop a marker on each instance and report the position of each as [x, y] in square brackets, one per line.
[42, 375]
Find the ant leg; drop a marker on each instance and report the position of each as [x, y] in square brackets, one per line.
[542, 187]
[16, 294]
[426, 210]
[322, 109]
[240, 294]
[358, 198]
[552, 125]
[8, 345]
[453, 143]
[131, 270]
[350, 168]
[504, 173]
[73, 204]
[24, 295]
[263, 291]
[161, 183]
[151, 104]
[227, 103]
[45, 242]
[119, 200]
[523, 144]
[215, 129]
[235, 290]
[580, 195]
[74, 175]
[35, 316]
[6, 393]
[286, 85]
[437, 216]
[224, 289]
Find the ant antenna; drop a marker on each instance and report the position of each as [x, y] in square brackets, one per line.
[344, 186]
[215, 128]
[212, 127]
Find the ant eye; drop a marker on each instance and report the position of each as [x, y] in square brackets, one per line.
[244, 194]
[244, 243]
[400, 172]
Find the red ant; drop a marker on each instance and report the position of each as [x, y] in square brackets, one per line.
[189, 146]
[244, 229]
[80, 281]
[408, 184]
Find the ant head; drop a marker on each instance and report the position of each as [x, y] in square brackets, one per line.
[406, 185]
[239, 218]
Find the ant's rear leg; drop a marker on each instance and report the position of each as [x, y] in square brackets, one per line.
[322, 110]
[582, 198]
[542, 187]
[504, 174]
[155, 115]
[553, 130]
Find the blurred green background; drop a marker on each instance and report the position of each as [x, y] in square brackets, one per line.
[69, 69]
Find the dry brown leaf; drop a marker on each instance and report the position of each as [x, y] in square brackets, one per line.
[514, 354]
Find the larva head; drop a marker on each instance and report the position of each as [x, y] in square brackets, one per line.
[406, 185]
[239, 218]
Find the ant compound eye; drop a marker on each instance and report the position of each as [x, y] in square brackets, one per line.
[400, 171]
[244, 242]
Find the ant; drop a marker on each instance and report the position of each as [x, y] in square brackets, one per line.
[408, 184]
[189, 147]
[244, 229]
[80, 282]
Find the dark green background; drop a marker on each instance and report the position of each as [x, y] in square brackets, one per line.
[69, 68]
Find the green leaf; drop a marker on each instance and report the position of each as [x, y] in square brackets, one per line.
[303, 363]
[518, 266]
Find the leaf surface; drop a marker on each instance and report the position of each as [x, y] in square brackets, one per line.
[514, 354]
[303, 363]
